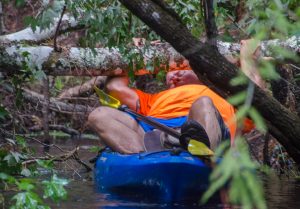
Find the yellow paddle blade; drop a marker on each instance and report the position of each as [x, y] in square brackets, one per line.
[106, 99]
[199, 148]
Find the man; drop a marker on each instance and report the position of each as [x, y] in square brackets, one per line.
[188, 104]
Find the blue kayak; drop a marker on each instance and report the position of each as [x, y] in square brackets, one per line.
[164, 176]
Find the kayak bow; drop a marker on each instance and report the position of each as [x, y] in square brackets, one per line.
[162, 176]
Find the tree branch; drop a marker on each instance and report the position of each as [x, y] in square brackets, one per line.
[83, 88]
[2, 26]
[62, 128]
[55, 105]
[57, 29]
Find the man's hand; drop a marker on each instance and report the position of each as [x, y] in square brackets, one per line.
[249, 55]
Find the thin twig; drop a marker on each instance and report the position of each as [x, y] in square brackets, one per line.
[33, 139]
[57, 29]
[3, 30]
[73, 153]
[45, 111]
[58, 158]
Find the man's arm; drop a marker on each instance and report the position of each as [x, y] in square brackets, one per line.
[118, 88]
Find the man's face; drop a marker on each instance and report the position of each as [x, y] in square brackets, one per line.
[181, 77]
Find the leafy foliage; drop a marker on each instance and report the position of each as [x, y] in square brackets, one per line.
[46, 18]
[273, 19]
[28, 197]
[15, 151]
[191, 14]
[237, 169]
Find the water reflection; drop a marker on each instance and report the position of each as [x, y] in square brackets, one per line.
[280, 193]
[82, 194]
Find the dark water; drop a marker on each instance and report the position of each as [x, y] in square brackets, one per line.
[280, 193]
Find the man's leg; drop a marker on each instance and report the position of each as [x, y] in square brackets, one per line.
[117, 129]
[204, 112]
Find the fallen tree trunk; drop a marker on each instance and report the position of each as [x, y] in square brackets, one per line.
[55, 105]
[102, 61]
[72, 61]
[210, 63]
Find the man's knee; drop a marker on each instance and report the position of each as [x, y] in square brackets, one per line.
[99, 114]
[201, 102]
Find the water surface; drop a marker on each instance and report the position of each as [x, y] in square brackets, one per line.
[280, 193]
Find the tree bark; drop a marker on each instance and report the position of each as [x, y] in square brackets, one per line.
[55, 105]
[83, 88]
[206, 61]
[209, 20]
[82, 62]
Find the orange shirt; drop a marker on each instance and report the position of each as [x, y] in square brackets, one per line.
[176, 102]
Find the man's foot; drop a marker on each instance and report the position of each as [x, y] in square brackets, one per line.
[191, 129]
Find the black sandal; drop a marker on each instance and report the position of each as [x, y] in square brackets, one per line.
[191, 129]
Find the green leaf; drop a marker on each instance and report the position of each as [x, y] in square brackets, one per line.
[3, 176]
[25, 54]
[3, 112]
[20, 3]
[48, 164]
[17, 156]
[237, 98]
[28, 200]
[94, 149]
[10, 160]
[58, 83]
[242, 112]
[26, 172]
[8, 178]
[55, 188]
[150, 66]
[267, 71]
[239, 80]
[258, 120]
[21, 141]
[161, 76]
[39, 75]
[26, 185]
[31, 21]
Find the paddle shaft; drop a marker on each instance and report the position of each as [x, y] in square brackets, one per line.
[151, 122]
